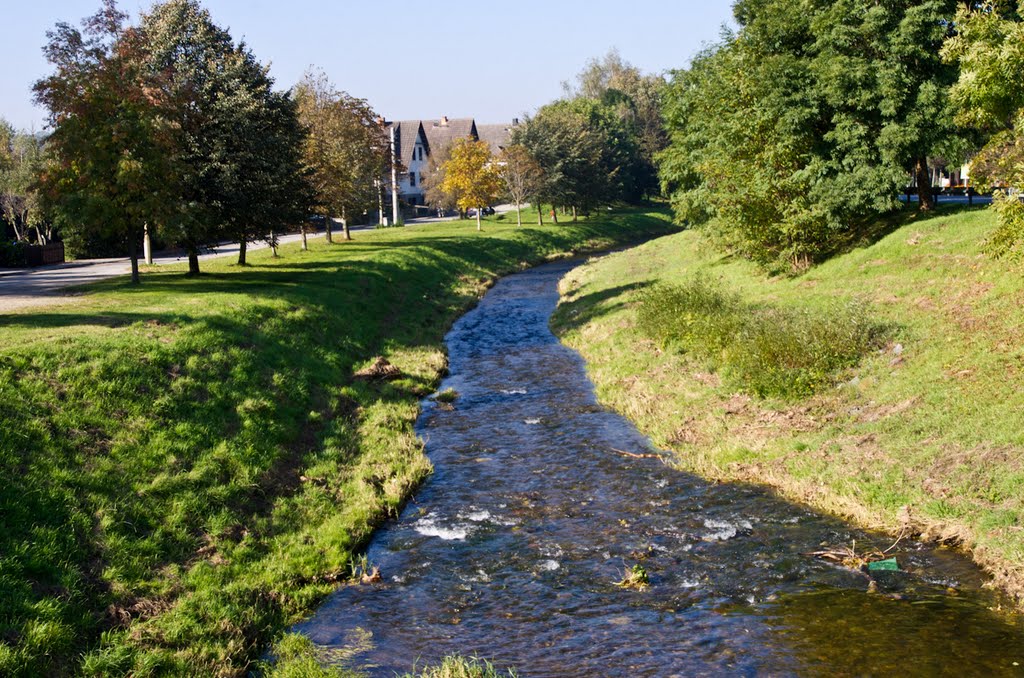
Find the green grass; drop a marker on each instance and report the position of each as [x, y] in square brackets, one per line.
[188, 466]
[932, 421]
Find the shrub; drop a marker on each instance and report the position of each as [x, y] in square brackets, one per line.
[12, 254]
[766, 351]
[791, 354]
[697, 317]
[1007, 240]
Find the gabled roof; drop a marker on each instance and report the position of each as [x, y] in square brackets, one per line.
[443, 132]
[496, 136]
[406, 132]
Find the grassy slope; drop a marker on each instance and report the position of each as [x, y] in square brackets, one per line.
[937, 427]
[188, 466]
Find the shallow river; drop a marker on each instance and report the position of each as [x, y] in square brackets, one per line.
[512, 550]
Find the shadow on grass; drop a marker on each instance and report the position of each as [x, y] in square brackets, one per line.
[578, 311]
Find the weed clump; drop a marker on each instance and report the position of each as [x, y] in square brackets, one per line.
[456, 666]
[447, 396]
[763, 350]
[697, 317]
[635, 578]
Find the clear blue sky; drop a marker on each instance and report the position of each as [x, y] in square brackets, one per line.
[491, 61]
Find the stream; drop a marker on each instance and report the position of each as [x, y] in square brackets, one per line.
[513, 549]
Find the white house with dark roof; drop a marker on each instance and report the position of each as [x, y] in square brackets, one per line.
[415, 140]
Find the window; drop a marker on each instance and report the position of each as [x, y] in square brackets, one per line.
[412, 178]
[421, 153]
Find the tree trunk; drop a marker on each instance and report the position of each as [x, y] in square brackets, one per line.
[478, 211]
[925, 200]
[554, 214]
[344, 225]
[540, 214]
[193, 260]
[133, 254]
[302, 229]
[327, 227]
[241, 252]
[574, 213]
[273, 243]
[519, 216]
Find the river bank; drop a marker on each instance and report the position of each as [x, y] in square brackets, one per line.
[190, 465]
[925, 435]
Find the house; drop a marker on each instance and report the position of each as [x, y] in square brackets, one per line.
[497, 136]
[415, 140]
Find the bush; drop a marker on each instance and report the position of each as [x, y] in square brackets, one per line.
[697, 317]
[791, 354]
[12, 254]
[766, 351]
[1007, 240]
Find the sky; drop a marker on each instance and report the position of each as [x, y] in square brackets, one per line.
[410, 60]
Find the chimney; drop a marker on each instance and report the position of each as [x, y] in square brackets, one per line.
[444, 121]
[515, 122]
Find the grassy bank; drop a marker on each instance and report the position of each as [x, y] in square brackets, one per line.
[925, 431]
[190, 465]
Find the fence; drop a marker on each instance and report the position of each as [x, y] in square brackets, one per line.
[41, 255]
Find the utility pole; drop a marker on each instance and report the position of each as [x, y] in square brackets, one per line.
[394, 179]
[147, 245]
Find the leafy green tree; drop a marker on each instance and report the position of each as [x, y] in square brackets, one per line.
[471, 175]
[588, 156]
[795, 132]
[110, 167]
[637, 99]
[988, 98]
[21, 160]
[347, 149]
[233, 135]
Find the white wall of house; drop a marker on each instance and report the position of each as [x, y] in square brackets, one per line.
[410, 183]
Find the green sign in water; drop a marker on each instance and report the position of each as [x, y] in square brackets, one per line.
[887, 565]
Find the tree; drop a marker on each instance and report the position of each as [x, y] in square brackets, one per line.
[21, 160]
[588, 156]
[635, 97]
[988, 98]
[471, 175]
[433, 181]
[228, 125]
[798, 130]
[347, 149]
[109, 169]
[521, 175]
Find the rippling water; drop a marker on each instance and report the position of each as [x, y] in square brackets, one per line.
[513, 548]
